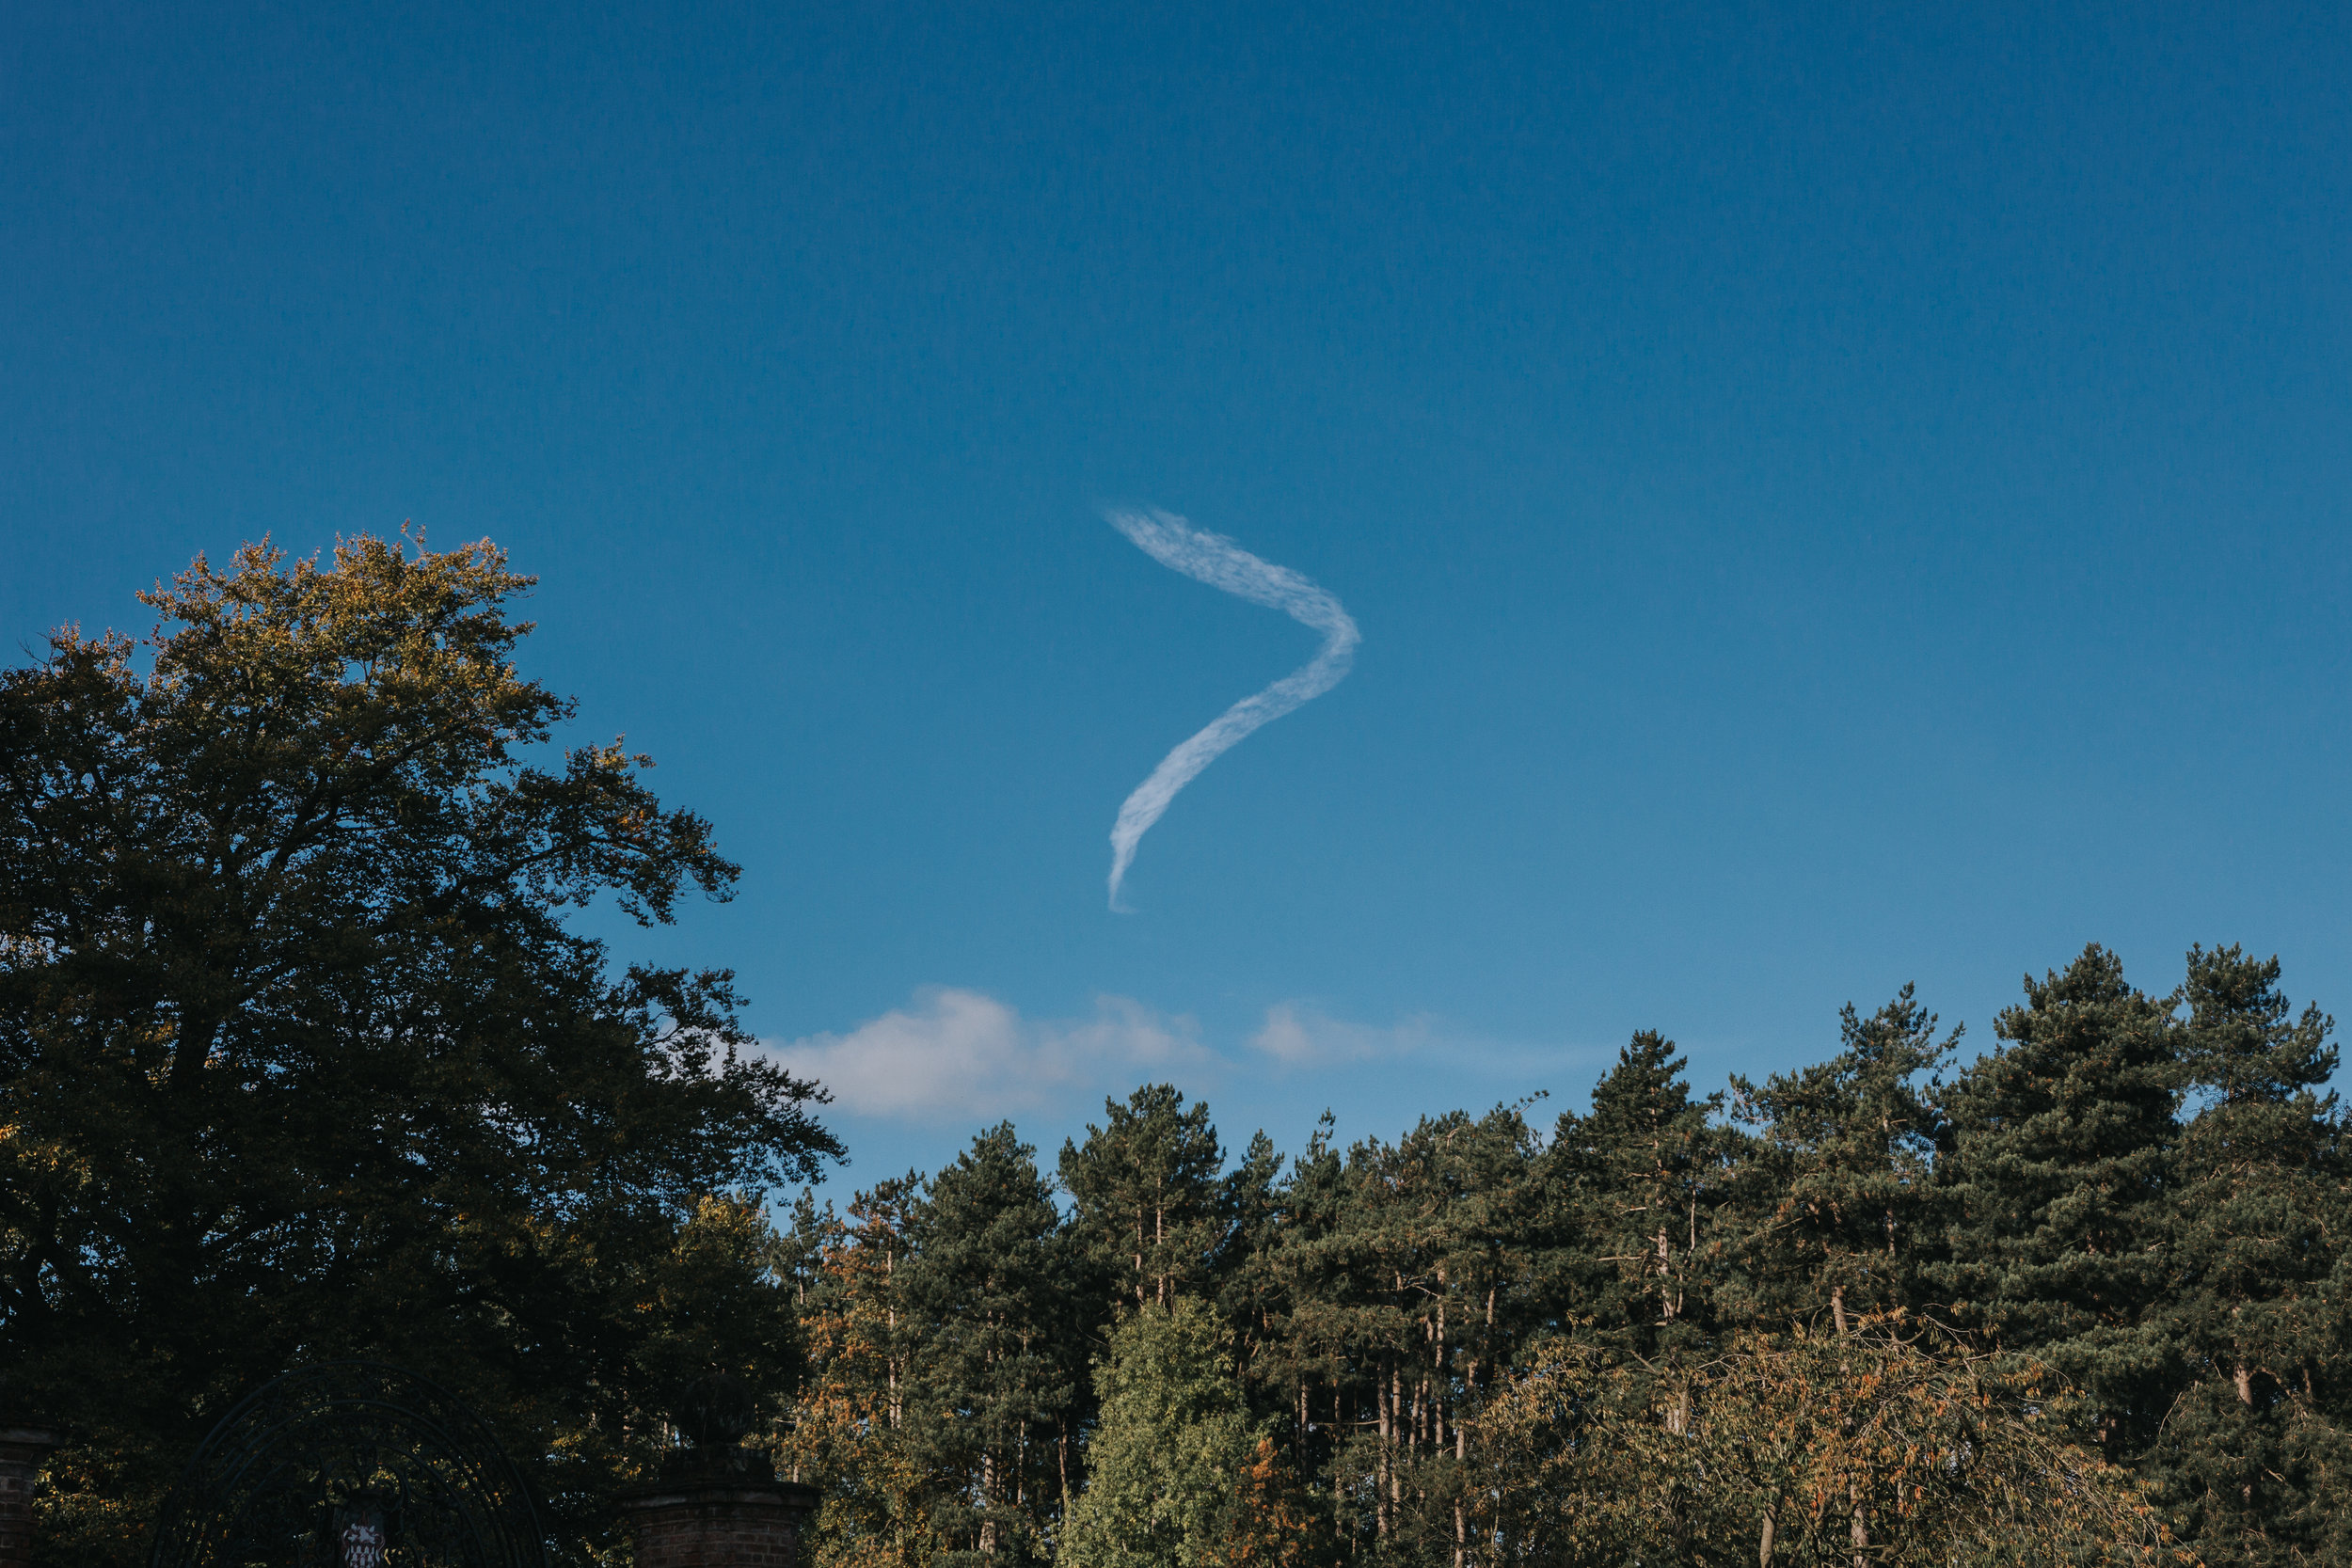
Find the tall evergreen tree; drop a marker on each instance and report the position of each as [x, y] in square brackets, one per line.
[2254, 1454]
[1647, 1175]
[2057, 1169]
[1837, 1184]
[1288, 1283]
[1148, 1194]
[998, 1362]
[1419, 1298]
[1249, 1294]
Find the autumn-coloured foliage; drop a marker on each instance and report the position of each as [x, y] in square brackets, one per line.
[1894, 1444]
[1273, 1523]
[849, 1436]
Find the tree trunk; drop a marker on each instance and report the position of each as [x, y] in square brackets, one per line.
[1837, 1307]
[1396, 1471]
[1764, 1544]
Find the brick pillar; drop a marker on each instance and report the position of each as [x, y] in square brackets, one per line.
[22, 1446]
[722, 1508]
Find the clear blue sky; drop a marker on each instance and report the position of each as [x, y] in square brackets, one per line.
[1832, 496]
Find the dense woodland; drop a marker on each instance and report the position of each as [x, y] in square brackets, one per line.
[2083, 1294]
[299, 1059]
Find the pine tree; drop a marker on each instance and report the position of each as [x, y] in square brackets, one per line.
[1420, 1295]
[1150, 1204]
[1649, 1175]
[1289, 1282]
[996, 1370]
[2060, 1146]
[1249, 1293]
[2254, 1454]
[1837, 1184]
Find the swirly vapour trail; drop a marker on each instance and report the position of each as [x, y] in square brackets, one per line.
[1212, 559]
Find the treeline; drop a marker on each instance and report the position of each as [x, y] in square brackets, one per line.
[2081, 1297]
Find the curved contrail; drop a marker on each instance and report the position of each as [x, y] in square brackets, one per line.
[1212, 559]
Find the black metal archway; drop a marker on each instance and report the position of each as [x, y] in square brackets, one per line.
[350, 1465]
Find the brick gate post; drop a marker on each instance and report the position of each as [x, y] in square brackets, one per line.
[716, 1504]
[23, 1447]
[727, 1511]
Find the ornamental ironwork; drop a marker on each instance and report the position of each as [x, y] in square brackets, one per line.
[350, 1465]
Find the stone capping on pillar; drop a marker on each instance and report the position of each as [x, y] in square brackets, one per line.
[717, 1509]
[23, 1445]
[717, 1504]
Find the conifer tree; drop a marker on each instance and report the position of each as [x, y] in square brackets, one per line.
[1426, 1296]
[1247, 1292]
[2254, 1454]
[2058, 1150]
[1148, 1194]
[995, 1370]
[1290, 1281]
[1836, 1182]
[1648, 1173]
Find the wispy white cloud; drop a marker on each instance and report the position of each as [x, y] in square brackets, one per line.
[1212, 559]
[955, 1056]
[1299, 1035]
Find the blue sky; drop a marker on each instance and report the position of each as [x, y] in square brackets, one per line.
[1831, 497]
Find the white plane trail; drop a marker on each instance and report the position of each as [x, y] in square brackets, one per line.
[1212, 559]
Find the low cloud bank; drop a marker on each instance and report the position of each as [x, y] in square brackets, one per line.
[960, 1055]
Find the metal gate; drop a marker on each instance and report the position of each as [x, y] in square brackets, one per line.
[350, 1465]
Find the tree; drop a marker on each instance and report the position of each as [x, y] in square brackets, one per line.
[1149, 1195]
[1175, 1436]
[850, 1436]
[989, 1288]
[2059, 1170]
[1649, 1173]
[1837, 1179]
[1880, 1445]
[1426, 1282]
[298, 1058]
[2254, 1452]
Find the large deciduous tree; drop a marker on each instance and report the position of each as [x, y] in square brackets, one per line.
[1175, 1438]
[299, 1057]
[1885, 1444]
